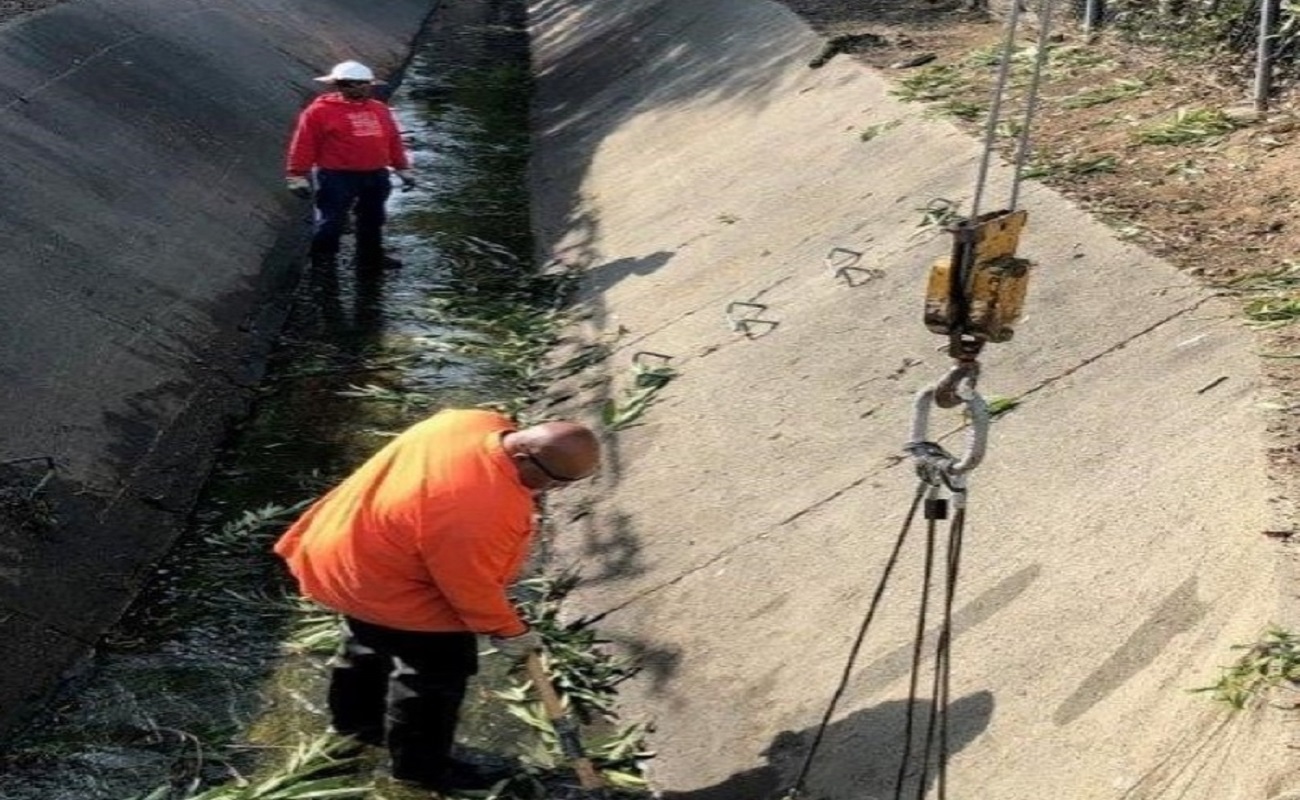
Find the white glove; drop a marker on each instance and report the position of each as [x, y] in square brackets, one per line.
[298, 185]
[407, 179]
[517, 647]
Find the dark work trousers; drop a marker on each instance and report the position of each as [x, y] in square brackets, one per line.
[405, 688]
[337, 192]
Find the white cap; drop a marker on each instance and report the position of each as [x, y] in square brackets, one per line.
[349, 71]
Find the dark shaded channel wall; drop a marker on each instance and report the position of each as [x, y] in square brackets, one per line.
[147, 247]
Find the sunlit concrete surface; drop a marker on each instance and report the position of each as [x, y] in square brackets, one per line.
[688, 158]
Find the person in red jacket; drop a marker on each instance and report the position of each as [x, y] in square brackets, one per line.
[348, 141]
[416, 550]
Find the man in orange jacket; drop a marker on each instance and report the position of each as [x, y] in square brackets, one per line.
[349, 141]
[416, 550]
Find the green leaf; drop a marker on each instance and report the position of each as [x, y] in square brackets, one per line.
[623, 780]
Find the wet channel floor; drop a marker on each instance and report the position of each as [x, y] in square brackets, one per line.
[198, 683]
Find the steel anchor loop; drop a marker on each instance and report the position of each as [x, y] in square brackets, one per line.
[644, 358]
[843, 264]
[838, 258]
[747, 324]
[930, 456]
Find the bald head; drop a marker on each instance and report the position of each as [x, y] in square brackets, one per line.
[553, 453]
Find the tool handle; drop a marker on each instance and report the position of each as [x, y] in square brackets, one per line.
[565, 729]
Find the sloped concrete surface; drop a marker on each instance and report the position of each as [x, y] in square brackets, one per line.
[144, 248]
[687, 158]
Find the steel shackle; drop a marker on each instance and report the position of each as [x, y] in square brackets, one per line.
[977, 433]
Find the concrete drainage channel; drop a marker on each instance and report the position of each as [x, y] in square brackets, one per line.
[216, 676]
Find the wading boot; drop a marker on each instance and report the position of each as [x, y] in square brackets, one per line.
[377, 261]
[320, 260]
[459, 776]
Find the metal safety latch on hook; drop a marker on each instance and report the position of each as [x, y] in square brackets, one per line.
[933, 463]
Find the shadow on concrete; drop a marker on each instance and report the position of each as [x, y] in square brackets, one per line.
[1181, 611]
[858, 759]
[147, 273]
[876, 676]
[601, 277]
[583, 98]
[658, 664]
[610, 542]
[833, 16]
[598, 69]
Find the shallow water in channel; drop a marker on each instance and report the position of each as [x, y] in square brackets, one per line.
[196, 681]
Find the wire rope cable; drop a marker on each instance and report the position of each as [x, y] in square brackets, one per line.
[1031, 101]
[937, 729]
[935, 742]
[938, 469]
[918, 648]
[995, 107]
[999, 94]
[843, 683]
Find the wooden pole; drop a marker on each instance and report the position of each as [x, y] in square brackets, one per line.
[566, 730]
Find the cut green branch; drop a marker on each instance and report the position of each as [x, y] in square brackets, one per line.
[647, 381]
[1272, 661]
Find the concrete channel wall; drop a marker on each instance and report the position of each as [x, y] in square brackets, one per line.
[145, 262]
[688, 158]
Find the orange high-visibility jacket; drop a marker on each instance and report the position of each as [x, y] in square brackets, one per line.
[425, 536]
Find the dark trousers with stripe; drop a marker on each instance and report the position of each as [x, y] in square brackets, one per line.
[337, 193]
[403, 689]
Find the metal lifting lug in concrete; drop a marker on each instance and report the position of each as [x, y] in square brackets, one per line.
[747, 324]
[641, 358]
[929, 455]
[843, 263]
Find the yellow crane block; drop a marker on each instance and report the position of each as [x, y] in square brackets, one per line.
[996, 281]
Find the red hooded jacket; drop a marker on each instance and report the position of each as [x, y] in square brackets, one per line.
[351, 135]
